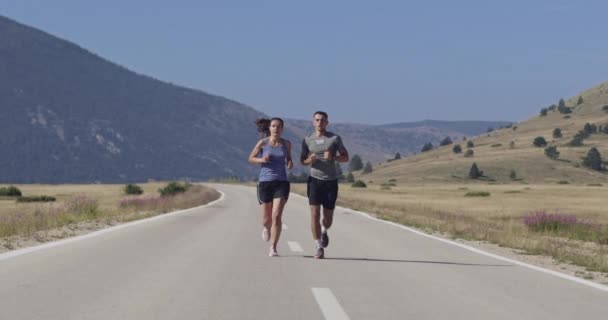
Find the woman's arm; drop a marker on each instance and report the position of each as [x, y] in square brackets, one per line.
[253, 157]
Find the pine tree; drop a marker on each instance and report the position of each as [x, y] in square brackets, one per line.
[355, 163]
[557, 133]
[580, 100]
[543, 112]
[475, 173]
[457, 149]
[593, 160]
[397, 156]
[350, 178]
[368, 168]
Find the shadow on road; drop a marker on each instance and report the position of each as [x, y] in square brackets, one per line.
[412, 261]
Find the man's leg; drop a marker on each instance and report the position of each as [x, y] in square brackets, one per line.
[315, 224]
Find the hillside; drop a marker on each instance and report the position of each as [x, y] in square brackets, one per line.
[511, 149]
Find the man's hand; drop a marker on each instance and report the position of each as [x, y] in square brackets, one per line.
[312, 158]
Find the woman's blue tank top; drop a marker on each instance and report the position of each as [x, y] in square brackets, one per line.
[275, 169]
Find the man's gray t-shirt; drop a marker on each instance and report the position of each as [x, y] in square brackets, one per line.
[322, 169]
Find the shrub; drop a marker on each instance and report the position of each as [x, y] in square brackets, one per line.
[561, 103]
[557, 133]
[593, 160]
[580, 100]
[552, 107]
[551, 152]
[359, 184]
[577, 141]
[36, 199]
[173, 188]
[477, 194]
[132, 189]
[426, 147]
[446, 141]
[543, 112]
[10, 191]
[563, 182]
[589, 129]
[496, 145]
[512, 145]
[474, 172]
[514, 128]
[457, 149]
[470, 144]
[83, 205]
[605, 108]
[540, 142]
[513, 175]
[469, 153]
[392, 180]
[397, 156]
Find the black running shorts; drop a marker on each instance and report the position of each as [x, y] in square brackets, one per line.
[268, 190]
[322, 192]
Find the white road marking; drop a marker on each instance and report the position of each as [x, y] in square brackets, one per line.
[20, 252]
[478, 251]
[294, 246]
[329, 305]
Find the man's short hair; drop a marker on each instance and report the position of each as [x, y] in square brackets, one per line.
[323, 113]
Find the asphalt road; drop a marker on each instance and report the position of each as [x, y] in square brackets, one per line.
[211, 263]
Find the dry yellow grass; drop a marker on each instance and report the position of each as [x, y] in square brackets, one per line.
[497, 218]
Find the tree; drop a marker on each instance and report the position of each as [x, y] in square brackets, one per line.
[561, 103]
[557, 133]
[457, 149]
[427, 146]
[355, 163]
[470, 144]
[474, 172]
[552, 152]
[577, 141]
[580, 100]
[552, 107]
[543, 112]
[446, 141]
[605, 108]
[513, 175]
[368, 168]
[350, 178]
[593, 160]
[469, 153]
[397, 156]
[540, 142]
[590, 128]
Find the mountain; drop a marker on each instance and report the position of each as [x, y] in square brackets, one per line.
[507, 151]
[378, 143]
[68, 115]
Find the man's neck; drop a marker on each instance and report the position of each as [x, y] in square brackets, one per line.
[320, 133]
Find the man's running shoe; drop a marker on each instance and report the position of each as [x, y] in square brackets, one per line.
[320, 254]
[265, 234]
[324, 239]
[273, 252]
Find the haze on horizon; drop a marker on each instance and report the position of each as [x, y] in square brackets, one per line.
[381, 62]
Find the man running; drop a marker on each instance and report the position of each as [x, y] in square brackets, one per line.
[321, 150]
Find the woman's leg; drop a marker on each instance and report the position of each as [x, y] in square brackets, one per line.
[277, 219]
[266, 219]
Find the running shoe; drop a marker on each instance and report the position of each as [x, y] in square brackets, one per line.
[273, 252]
[265, 234]
[320, 254]
[324, 239]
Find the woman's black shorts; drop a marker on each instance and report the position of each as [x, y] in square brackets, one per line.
[322, 192]
[268, 190]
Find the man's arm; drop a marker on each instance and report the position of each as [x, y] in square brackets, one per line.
[306, 157]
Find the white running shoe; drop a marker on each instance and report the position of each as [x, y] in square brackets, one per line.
[265, 234]
[273, 252]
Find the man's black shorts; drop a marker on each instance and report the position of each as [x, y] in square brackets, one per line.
[268, 190]
[322, 192]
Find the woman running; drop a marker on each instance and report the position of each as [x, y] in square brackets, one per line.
[273, 153]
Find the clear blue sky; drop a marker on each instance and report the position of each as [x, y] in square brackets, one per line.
[362, 61]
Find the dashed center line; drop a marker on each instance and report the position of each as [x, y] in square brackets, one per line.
[294, 246]
[329, 305]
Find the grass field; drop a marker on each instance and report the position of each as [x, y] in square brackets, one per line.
[78, 204]
[497, 217]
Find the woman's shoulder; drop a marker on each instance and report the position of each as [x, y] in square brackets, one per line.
[262, 142]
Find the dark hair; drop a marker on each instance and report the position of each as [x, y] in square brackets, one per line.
[264, 125]
[323, 113]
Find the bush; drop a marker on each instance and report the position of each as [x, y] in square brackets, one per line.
[359, 184]
[477, 194]
[513, 175]
[474, 172]
[580, 100]
[133, 189]
[10, 191]
[540, 142]
[605, 108]
[577, 141]
[552, 107]
[551, 152]
[457, 149]
[543, 112]
[173, 188]
[469, 153]
[512, 145]
[368, 168]
[427, 146]
[36, 199]
[557, 133]
[563, 182]
[496, 145]
[397, 156]
[470, 144]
